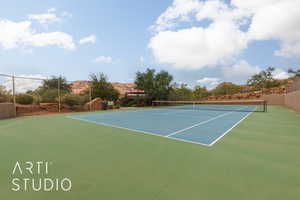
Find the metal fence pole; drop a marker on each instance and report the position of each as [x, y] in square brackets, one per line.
[58, 89]
[14, 90]
[90, 98]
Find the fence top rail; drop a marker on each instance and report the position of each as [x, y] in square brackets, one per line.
[23, 77]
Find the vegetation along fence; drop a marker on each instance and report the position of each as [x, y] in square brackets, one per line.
[41, 94]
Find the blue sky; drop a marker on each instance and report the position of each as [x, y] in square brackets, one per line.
[199, 42]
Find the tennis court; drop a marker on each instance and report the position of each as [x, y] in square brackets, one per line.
[255, 160]
[202, 124]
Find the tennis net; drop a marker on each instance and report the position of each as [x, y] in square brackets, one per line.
[239, 106]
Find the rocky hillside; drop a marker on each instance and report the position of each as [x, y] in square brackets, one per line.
[123, 88]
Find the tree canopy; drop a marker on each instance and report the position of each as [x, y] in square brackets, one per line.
[295, 72]
[264, 79]
[226, 88]
[180, 93]
[48, 91]
[53, 84]
[200, 92]
[102, 88]
[156, 85]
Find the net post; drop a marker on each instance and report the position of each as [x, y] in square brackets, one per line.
[265, 106]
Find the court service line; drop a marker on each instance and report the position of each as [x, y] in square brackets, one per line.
[139, 131]
[198, 124]
[177, 111]
[216, 140]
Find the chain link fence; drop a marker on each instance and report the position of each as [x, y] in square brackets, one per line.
[6, 92]
[295, 86]
[37, 94]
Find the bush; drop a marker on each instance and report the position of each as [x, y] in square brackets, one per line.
[24, 99]
[4, 95]
[74, 99]
[226, 88]
[5, 98]
[49, 96]
[126, 102]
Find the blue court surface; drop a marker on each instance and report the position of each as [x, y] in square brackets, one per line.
[203, 127]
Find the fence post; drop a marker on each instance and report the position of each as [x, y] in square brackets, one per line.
[58, 90]
[90, 98]
[14, 90]
[14, 94]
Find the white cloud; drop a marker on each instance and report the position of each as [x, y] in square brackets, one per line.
[51, 10]
[46, 18]
[60, 39]
[240, 71]
[223, 37]
[285, 28]
[23, 85]
[179, 11]
[209, 82]
[280, 74]
[198, 47]
[103, 59]
[50, 17]
[20, 34]
[88, 39]
[13, 33]
[66, 14]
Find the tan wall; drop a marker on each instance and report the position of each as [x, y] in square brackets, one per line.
[292, 100]
[7, 110]
[274, 99]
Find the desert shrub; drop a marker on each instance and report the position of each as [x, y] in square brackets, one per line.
[49, 96]
[4, 95]
[5, 98]
[127, 102]
[74, 99]
[226, 88]
[37, 99]
[24, 99]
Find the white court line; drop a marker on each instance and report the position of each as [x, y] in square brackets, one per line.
[167, 136]
[144, 132]
[198, 124]
[175, 111]
[216, 140]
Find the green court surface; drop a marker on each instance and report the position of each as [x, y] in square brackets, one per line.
[258, 159]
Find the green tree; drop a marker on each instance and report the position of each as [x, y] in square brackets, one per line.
[200, 92]
[156, 85]
[294, 72]
[74, 99]
[48, 91]
[102, 88]
[264, 79]
[24, 99]
[226, 88]
[4, 94]
[180, 93]
[53, 84]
